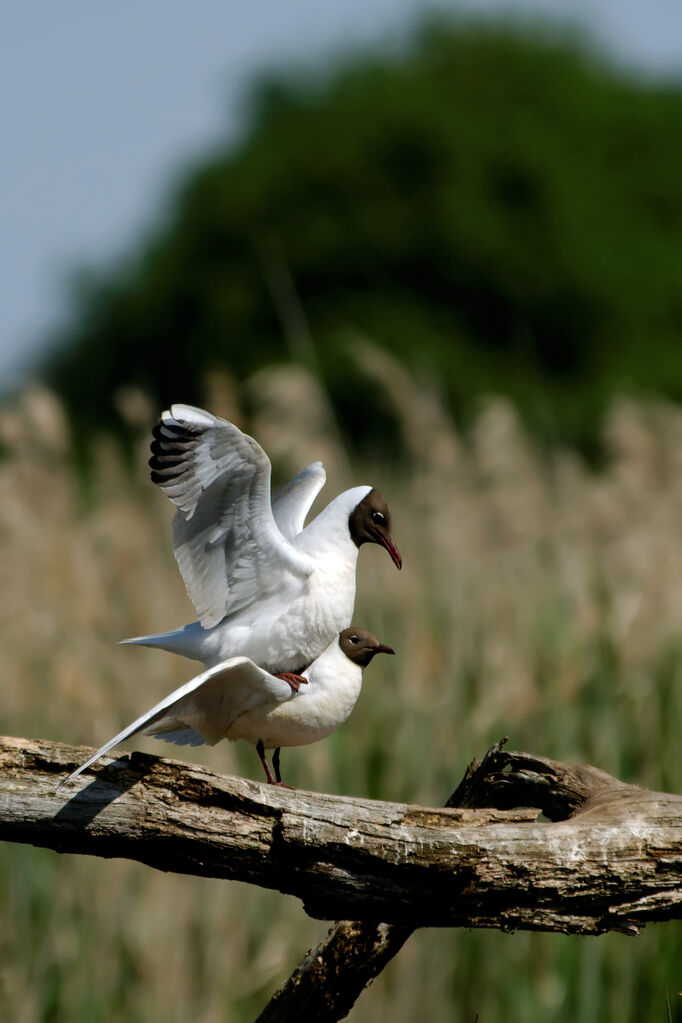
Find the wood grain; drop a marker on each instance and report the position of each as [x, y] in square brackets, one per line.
[608, 858]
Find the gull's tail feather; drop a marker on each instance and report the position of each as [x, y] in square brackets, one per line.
[188, 641]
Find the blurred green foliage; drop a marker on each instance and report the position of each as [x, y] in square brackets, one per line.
[502, 211]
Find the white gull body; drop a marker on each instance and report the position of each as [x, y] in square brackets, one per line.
[263, 586]
[313, 713]
[239, 700]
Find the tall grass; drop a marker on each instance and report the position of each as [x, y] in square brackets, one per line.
[538, 600]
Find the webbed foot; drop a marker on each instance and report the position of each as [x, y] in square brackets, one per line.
[294, 680]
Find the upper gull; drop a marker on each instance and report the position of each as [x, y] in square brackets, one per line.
[264, 586]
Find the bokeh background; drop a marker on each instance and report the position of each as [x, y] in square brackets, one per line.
[444, 256]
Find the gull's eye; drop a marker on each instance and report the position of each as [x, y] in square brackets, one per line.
[379, 518]
[354, 639]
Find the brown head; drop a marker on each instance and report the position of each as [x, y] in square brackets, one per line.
[360, 646]
[370, 522]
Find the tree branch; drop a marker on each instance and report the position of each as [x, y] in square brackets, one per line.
[608, 858]
[331, 977]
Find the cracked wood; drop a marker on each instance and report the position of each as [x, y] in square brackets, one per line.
[609, 857]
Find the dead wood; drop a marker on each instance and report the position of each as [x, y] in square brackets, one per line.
[331, 977]
[609, 856]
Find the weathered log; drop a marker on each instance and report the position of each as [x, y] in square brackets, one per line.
[608, 858]
[329, 979]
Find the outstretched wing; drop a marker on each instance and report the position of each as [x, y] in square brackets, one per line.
[200, 712]
[291, 504]
[228, 546]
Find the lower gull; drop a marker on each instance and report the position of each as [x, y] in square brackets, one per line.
[239, 700]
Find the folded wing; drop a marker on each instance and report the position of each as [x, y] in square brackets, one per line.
[227, 543]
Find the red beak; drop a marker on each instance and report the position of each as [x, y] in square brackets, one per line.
[393, 551]
[381, 649]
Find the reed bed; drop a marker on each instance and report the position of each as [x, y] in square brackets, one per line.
[539, 600]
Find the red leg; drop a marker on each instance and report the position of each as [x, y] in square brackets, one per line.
[260, 749]
[294, 680]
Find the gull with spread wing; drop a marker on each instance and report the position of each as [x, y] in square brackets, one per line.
[239, 700]
[264, 586]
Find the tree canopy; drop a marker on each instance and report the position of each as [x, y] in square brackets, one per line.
[500, 210]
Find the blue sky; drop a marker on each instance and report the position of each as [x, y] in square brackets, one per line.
[103, 107]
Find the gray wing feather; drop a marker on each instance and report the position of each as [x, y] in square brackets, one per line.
[214, 698]
[182, 736]
[228, 546]
[291, 504]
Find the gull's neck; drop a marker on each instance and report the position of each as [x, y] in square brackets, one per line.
[330, 529]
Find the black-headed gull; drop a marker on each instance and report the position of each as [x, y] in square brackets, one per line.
[239, 700]
[263, 586]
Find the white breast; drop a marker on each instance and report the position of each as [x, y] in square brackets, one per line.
[317, 710]
[290, 630]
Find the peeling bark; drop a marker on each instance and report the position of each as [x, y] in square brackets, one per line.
[608, 858]
[608, 855]
[331, 977]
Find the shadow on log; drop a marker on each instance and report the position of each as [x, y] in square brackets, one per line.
[523, 842]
